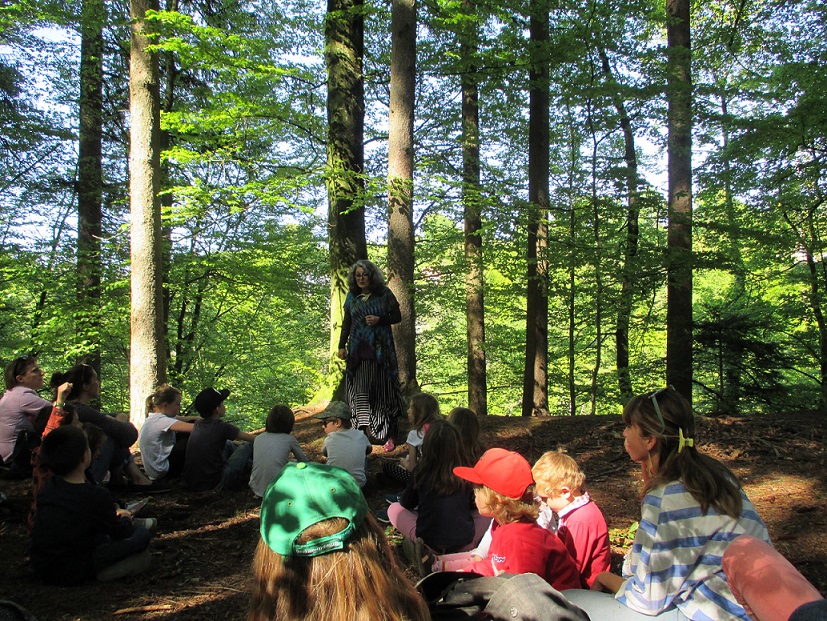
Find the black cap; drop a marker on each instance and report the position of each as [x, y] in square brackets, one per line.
[209, 399]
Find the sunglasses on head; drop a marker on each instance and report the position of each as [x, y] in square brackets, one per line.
[654, 397]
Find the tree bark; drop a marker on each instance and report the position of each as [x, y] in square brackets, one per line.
[147, 363]
[629, 269]
[472, 206]
[679, 236]
[90, 175]
[344, 49]
[401, 244]
[535, 375]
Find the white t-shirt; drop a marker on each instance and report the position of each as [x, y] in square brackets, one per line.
[156, 442]
[347, 449]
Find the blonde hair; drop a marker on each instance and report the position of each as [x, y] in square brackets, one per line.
[162, 395]
[362, 582]
[506, 510]
[556, 470]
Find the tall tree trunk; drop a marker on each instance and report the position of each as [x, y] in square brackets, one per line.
[344, 48]
[90, 174]
[629, 269]
[400, 185]
[535, 375]
[147, 362]
[679, 236]
[472, 206]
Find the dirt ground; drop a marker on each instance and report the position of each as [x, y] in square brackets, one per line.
[202, 553]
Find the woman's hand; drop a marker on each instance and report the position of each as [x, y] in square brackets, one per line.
[372, 320]
[63, 391]
[342, 354]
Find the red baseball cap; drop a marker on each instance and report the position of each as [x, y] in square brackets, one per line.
[506, 472]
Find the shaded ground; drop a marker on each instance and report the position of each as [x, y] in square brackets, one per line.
[202, 553]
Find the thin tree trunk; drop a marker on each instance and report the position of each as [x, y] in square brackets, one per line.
[679, 236]
[472, 206]
[344, 48]
[629, 270]
[730, 395]
[147, 363]
[171, 74]
[809, 238]
[598, 272]
[535, 375]
[90, 174]
[400, 185]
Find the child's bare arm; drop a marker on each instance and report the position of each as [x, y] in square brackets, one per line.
[608, 582]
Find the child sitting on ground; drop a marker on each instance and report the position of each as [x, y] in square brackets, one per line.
[468, 424]
[436, 507]
[78, 530]
[272, 449]
[581, 525]
[164, 434]
[344, 447]
[505, 491]
[213, 461]
[423, 409]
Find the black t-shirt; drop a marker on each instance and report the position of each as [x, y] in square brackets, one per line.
[69, 520]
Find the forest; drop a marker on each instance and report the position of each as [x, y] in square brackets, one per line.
[574, 202]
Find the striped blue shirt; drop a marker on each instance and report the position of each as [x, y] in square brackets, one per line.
[675, 560]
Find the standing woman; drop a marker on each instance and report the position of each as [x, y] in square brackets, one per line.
[693, 507]
[373, 391]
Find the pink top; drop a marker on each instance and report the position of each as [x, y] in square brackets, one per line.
[18, 409]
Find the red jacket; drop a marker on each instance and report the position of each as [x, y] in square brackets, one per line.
[524, 547]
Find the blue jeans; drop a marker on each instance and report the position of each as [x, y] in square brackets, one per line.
[237, 468]
[109, 551]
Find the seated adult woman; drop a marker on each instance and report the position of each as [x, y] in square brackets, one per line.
[20, 405]
[114, 456]
[693, 507]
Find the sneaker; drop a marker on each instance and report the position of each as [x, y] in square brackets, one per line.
[151, 524]
[382, 516]
[389, 446]
[136, 505]
[392, 498]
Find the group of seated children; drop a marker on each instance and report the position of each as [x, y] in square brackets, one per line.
[701, 550]
[463, 509]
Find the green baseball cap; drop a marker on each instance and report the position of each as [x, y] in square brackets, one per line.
[305, 494]
[336, 409]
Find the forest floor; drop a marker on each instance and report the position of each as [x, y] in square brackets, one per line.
[204, 547]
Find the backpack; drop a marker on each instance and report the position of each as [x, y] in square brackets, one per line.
[508, 597]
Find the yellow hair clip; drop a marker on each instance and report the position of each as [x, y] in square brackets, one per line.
[682, 442]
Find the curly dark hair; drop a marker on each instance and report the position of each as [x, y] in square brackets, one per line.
[377, 279]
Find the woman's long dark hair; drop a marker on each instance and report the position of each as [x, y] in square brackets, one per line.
[78, 375]
[666, 416]
[441, 452]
